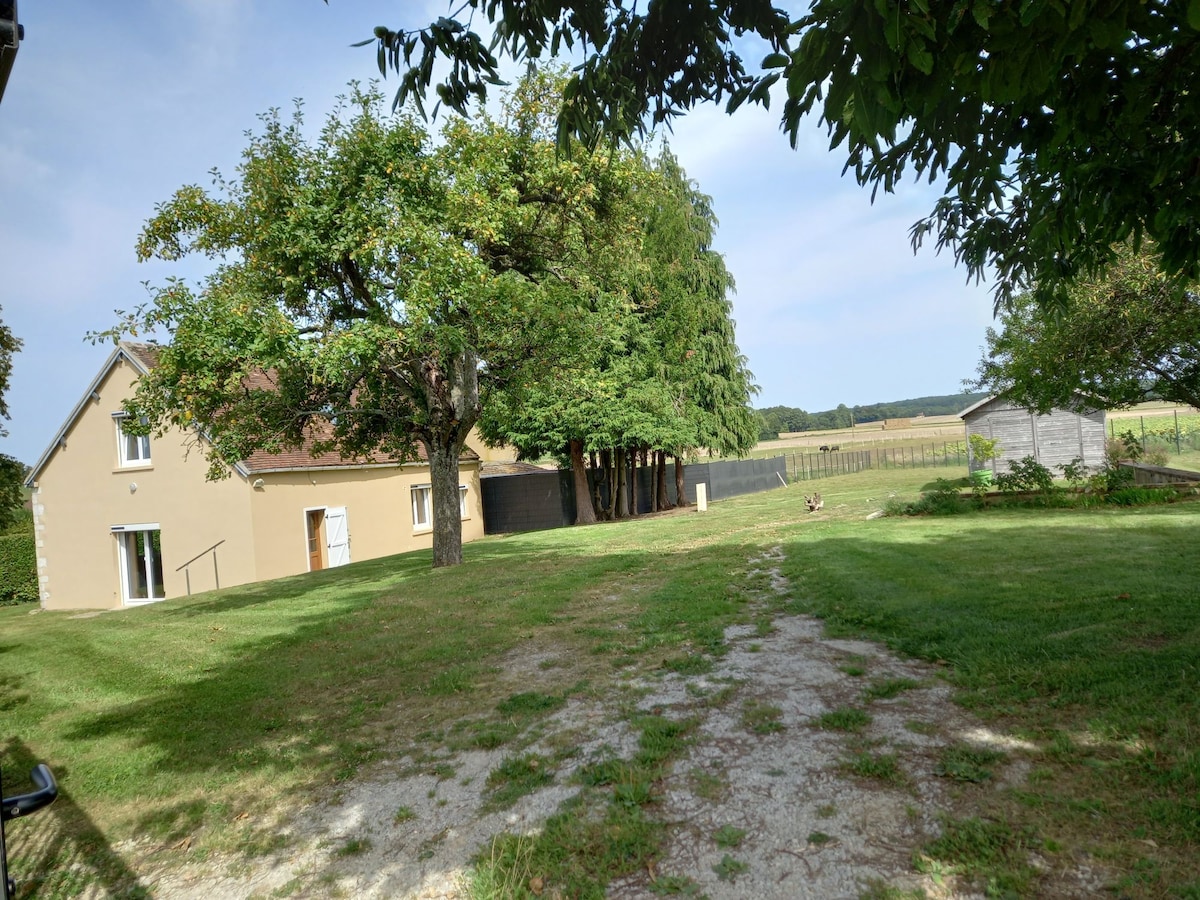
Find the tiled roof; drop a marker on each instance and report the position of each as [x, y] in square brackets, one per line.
[146, 355]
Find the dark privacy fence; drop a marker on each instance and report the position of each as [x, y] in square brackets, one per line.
[547, 499]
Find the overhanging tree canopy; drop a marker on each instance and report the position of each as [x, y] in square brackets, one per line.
[1128, 336]
[1058, 128]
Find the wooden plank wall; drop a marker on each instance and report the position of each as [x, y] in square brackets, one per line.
[1053, 440]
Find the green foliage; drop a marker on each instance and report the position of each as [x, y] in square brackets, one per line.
[1126, 335]
[1140, 496]
[963, 762]
[983, 449]
[8, 346]
[515, 777]
[729, 868]
[18, 569]
[762, 718]
[944, 500]
[1026, 475]
[658, 367]
[883, 767]
[1075, 473]
[1059, 130]
[889, 688]
[847, 718]
[729, 837]
[988, 852]
[375, 283]
[12, 488]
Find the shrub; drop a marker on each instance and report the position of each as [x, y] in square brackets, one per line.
[983, 450]
[1026, 474]
[18, 569]
[1137, 496]
[1124, 447]
[943, 500]
[1075, 472]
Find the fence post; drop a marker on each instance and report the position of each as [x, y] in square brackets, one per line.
[1177, 450]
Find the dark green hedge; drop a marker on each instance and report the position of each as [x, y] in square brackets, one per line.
[18, 569]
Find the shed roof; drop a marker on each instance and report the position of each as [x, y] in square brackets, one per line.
[974, 406]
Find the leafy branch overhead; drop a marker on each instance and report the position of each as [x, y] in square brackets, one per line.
[1128, 336]
[1057, 129]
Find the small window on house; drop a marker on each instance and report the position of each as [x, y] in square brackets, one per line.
[422, 501]
[132, 449]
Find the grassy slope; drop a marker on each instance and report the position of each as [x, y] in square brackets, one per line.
[1079, 630]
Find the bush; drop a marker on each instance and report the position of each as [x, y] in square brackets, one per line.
[943, 500]
[1026, 475]
[18, 569]
[1138, 496]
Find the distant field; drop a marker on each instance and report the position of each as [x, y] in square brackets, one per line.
[872, 433]
[1155, 421]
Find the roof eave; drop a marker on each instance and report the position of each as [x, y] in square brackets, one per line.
[121, 352]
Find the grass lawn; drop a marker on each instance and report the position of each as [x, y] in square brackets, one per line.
[193, 722]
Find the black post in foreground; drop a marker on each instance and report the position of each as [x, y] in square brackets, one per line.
[22, 805]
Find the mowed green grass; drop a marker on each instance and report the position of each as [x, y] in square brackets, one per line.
[194, 721]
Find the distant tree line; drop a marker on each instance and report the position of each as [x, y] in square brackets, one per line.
[775, 420]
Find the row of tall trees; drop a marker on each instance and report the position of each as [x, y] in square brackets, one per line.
[374, 291]
[659, 373]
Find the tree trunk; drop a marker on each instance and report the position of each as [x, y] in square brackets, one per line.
[633, 482]
[585, 513]
[660, 479]
[654, 469]
[621, 465]
[447, 512]
[597, 474]
[680, 494]
[610, 478]
[452, 400]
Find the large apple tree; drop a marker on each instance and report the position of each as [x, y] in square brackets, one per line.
[370, 284]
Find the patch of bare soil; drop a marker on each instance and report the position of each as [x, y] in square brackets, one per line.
[763, 805]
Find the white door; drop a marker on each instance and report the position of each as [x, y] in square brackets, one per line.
[337, 536]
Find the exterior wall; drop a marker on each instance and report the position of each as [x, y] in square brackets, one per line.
[378, 502]
[1053, 440]
[82, 493]
[503, 453]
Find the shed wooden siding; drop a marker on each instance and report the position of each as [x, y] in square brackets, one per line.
[1053, 439]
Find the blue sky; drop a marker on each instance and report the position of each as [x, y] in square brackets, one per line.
[112, 107]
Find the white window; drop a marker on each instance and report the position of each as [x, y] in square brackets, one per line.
[141, 566]
[422, 503]
[132, 449]
[422, 500]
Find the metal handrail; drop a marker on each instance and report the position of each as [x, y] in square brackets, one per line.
[200, 554]
[187, 575]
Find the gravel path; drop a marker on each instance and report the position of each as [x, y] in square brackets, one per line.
[753, 813]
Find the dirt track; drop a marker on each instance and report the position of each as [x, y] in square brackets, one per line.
[805, 827]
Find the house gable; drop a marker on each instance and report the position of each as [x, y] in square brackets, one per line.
[115, 529]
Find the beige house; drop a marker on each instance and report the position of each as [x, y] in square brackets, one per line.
[122, 520]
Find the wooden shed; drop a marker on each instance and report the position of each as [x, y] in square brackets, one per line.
[1053, 439]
